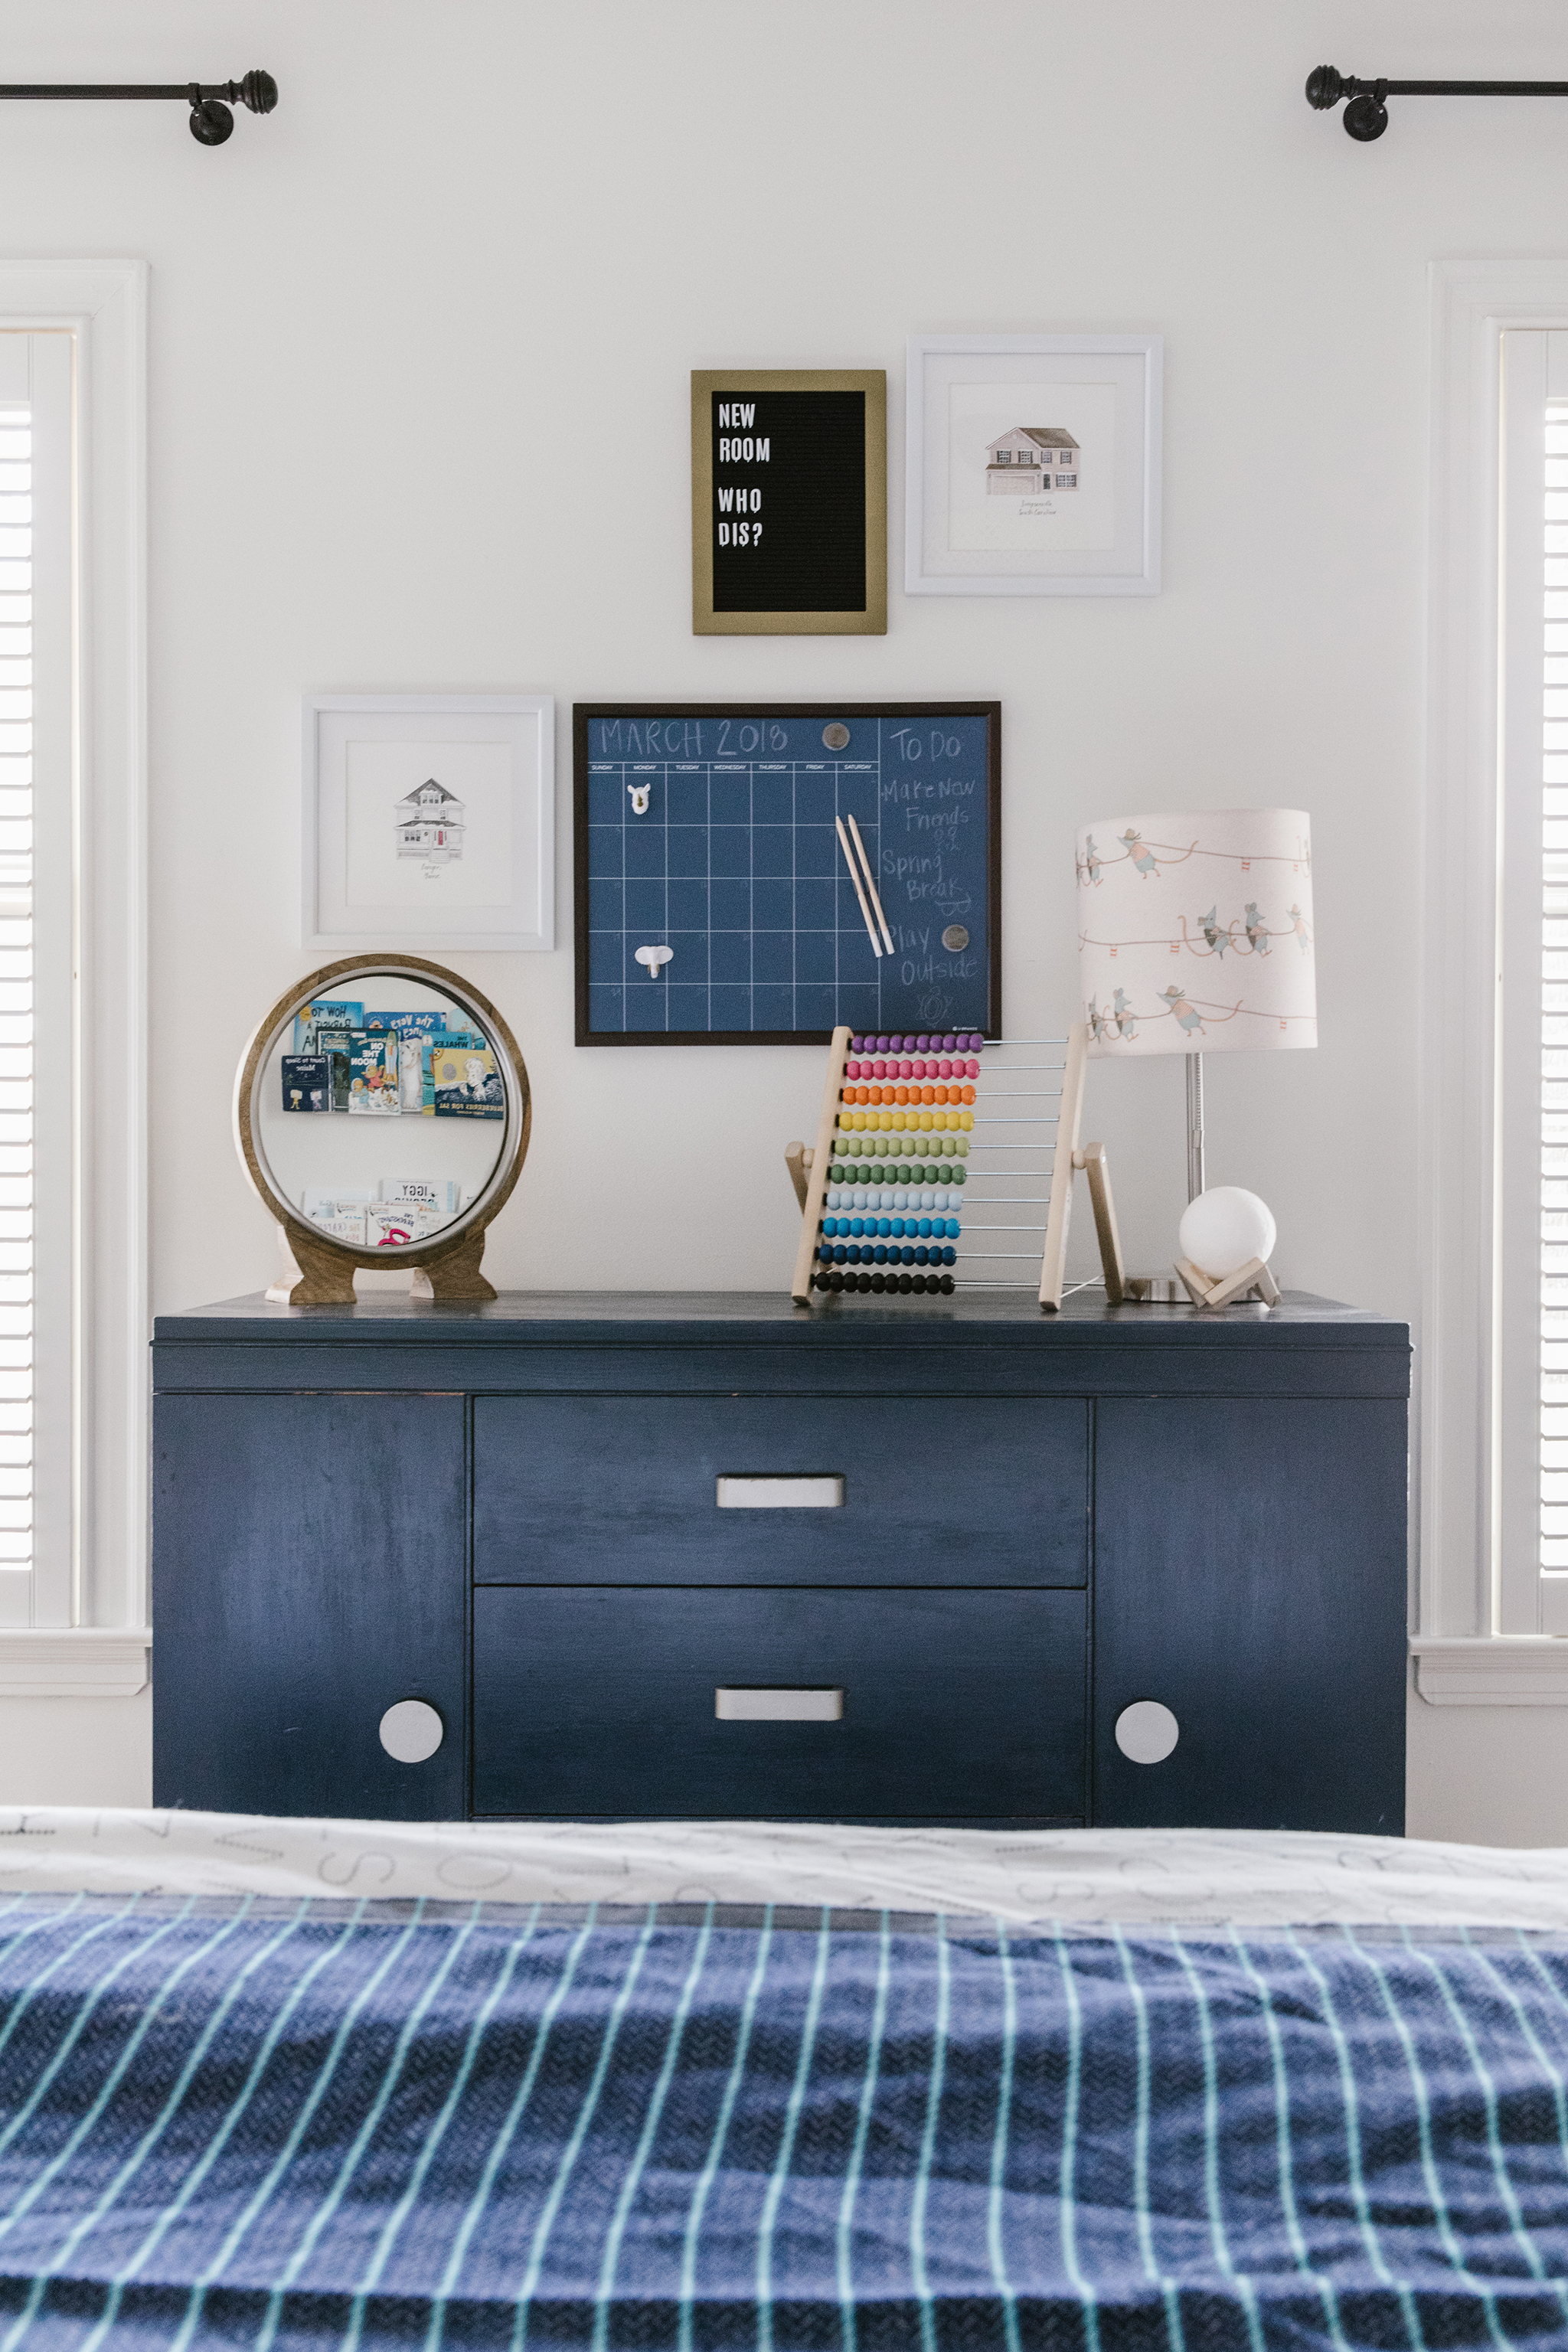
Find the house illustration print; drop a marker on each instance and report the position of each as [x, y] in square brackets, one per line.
[1032, 457]
[430, 824]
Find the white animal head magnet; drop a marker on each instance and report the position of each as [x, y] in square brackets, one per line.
[653, 957]
[639, 794]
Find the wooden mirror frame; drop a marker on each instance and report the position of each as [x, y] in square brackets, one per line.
[319, 1271]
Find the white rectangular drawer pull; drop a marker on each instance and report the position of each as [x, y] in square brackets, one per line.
[781, 1492]
[774, 1705]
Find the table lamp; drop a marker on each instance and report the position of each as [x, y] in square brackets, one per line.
[1196, 937]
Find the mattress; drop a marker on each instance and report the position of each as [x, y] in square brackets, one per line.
[267, 2083]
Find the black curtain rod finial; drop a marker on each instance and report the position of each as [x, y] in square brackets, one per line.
[258, 91]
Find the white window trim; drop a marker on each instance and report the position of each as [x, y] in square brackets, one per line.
[1461, 1656]
[103, 1650]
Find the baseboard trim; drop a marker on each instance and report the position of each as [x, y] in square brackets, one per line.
[73, 1661]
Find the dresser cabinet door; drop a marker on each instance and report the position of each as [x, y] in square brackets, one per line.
[307, 1575]
[903, 1490]
[1250, 1579]
[954, 1705]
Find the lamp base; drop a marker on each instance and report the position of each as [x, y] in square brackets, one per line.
[1154, 1290]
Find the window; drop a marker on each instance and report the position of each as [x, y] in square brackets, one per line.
[1530, 1390]
[73, 1255]
[1067, 481]
[1003, 456]
[37, 1014]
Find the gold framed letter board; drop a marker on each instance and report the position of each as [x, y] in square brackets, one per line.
[789, 502]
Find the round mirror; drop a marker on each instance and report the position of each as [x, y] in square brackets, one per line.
[381, 1111]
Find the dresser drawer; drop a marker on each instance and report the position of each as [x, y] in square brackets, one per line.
[625, 1490]
[928, 1705]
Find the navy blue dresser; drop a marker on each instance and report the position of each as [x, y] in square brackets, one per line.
[708, 1555]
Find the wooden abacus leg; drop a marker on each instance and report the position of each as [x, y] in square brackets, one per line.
[798, 1158]
[1092, 1161]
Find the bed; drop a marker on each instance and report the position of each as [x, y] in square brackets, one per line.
[275, 2083]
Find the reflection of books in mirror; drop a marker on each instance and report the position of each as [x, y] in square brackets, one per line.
[338, 1044]
[305, 1082]
[404, 1020]
[373, 1078]
[343, 1220]
[316, 1202]
[417, 1192]
[335, 1013]
[466, 1082]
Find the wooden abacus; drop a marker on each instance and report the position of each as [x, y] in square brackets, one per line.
[883, 1191]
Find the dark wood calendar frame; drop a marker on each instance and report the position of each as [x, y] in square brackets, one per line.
[871, 623]
[584, 713]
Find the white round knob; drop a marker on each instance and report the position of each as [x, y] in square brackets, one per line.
[1146, 1732]
[411, 1731]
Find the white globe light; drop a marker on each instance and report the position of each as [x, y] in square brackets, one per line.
[1225, 1227]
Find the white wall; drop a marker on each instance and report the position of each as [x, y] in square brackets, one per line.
[476, 233]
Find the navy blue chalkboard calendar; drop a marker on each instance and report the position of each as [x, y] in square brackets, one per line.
[715, 900]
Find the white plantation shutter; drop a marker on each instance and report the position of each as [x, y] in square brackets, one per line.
[38, 1014]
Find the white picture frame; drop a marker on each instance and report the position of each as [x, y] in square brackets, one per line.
[1089, 528]
[387, 862]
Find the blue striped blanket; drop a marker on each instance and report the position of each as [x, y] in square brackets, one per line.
[258, 2123]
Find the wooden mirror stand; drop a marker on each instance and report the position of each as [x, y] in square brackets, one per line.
[318, 1270]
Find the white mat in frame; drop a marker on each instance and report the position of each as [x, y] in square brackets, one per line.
[1094, 531]
[428, 819]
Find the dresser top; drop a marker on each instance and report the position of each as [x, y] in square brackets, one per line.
[522, 1318]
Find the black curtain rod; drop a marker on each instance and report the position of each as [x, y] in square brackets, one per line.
[1366, 116]
[209, 101]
